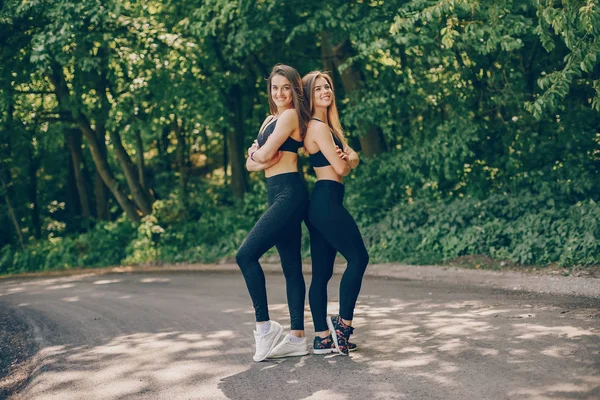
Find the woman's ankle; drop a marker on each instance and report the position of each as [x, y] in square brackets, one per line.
[323, 334]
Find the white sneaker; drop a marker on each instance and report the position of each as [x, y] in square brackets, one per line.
[288, 348]
[266, 342]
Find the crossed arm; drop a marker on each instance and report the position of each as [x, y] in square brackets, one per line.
[252, 165]
[260, 158]
[348, 155]
[342, 160]
[286, 124]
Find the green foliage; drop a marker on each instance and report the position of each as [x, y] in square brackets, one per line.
[522, 228]
[490, 112]
[411, 219]
[101, 246]
[577, 24]
[214, 235]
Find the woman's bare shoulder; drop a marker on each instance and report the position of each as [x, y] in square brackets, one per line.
[290, 114]
[288, 119]
[316, 129]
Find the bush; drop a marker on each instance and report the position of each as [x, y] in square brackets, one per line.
[428, 231]
[101, 246]
[215, 234]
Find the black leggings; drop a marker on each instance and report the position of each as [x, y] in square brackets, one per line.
[279, 226]
[333, 229]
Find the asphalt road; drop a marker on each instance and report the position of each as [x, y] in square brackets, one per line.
[189, 335]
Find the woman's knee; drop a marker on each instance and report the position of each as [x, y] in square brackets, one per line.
[243, 257]
[317, 288]
[321, 279]
[364, 258]
[293, 274]
[361, 260]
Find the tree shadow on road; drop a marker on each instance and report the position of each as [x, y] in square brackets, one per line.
[475, 350]
[307, 377]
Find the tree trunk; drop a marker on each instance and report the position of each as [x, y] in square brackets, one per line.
[74, 144]
[225, 158]
[72, 202]
[101, 189]
[104, 170]
[163, 149]
[372, 142]
[101, 194]
[5, 173]
[235, 144]
[140, 196]
[100, 160]
[33, 164]
[234, 138]
[182, 165]
[11, 211]
[139, 152]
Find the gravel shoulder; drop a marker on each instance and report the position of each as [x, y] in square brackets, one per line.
[17, 348]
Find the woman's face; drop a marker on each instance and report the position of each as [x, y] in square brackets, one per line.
[281, 91]
[323, 93]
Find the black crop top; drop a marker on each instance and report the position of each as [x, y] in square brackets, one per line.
[291, 145]
[318, 159]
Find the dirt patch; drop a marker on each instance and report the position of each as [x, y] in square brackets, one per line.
[17, 348]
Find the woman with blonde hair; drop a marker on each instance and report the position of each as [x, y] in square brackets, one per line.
[275, 152]
[331, 226]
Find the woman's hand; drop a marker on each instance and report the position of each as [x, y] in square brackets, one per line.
[275, 159]
[252, 148]
[341, 153]
[252, 165]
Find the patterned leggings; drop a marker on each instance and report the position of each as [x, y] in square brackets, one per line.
[279, 226]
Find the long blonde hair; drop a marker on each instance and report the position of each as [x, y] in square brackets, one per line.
[333, 118]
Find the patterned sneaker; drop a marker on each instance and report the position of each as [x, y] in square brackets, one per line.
[326, 345]
[288, 348]
[340, 332]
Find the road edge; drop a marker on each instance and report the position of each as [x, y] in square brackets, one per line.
[508, 280]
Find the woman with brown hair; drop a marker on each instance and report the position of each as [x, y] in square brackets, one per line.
[331, 226]
[275, 152]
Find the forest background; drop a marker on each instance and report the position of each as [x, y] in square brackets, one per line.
[124, 126]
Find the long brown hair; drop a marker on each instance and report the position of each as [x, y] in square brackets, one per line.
[297, 94]
[333, 118]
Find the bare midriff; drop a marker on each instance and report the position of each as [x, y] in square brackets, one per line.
[327, 173]
[288, 163]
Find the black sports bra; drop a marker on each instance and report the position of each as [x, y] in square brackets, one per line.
[290, 145]
[318, 159]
